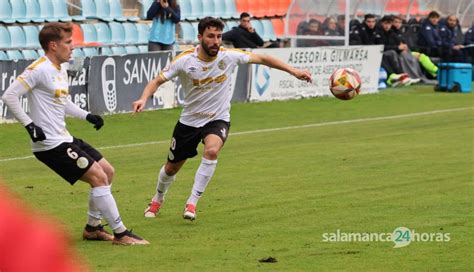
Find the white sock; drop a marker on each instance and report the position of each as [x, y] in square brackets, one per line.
[203, 176]
[105, 203]
[162, 185]
[94, 215]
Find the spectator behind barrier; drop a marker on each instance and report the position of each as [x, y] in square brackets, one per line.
[165, 15]
[365, 33]
[330, 29]
[469, 41]
[313, 29]
[451, 51]
[397, 24]
[301, 30]
[415, 20]
[390, 57]
[424, 60]
[408, 61]
[341, 24]
[429, 39]
[243, 35]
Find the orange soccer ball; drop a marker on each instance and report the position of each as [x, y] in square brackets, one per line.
[345, 83]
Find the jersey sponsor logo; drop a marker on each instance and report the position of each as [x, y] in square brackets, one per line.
[61, 93]
[205, 114]
[192, 69]
[220, 78]
[60, 96]
[209, 80]
[55, 79]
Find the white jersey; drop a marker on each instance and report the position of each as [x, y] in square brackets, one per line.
[47, 97]
[206, 84]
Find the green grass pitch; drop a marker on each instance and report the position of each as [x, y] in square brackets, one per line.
[289, 172]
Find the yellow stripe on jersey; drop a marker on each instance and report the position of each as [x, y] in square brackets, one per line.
[162, 76]
[58, 67]
[23, 82]
[184, 53]
[207, 59]
[36, 63]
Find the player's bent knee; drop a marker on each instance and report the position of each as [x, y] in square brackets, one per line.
[100, 179]
[211, 153]
[96, 176]
[108, 169]
[172, 169]
[110, 172]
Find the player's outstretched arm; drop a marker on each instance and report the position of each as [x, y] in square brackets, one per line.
[280, 65]
[149, 90]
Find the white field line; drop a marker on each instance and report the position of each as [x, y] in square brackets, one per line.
[383, 118]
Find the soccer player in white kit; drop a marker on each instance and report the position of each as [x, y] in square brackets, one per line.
[205, 72]
[45, 82]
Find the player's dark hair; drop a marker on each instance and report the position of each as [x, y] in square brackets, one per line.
[53, 32]
[434, 14]
[396, 17]
[369, 16]
[208, 22]
[387, 19]
[244, 15]
[314, 21]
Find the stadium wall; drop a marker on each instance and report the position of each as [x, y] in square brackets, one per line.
[109, 84]
[271, 84]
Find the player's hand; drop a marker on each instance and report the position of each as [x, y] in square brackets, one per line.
[96, 120]
[302, 75]
[138, 105]
[36, 133]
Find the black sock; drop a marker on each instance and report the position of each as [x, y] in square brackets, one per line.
[121, 234]
[90, 228]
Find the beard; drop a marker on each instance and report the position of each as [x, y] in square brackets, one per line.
[208, 50]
